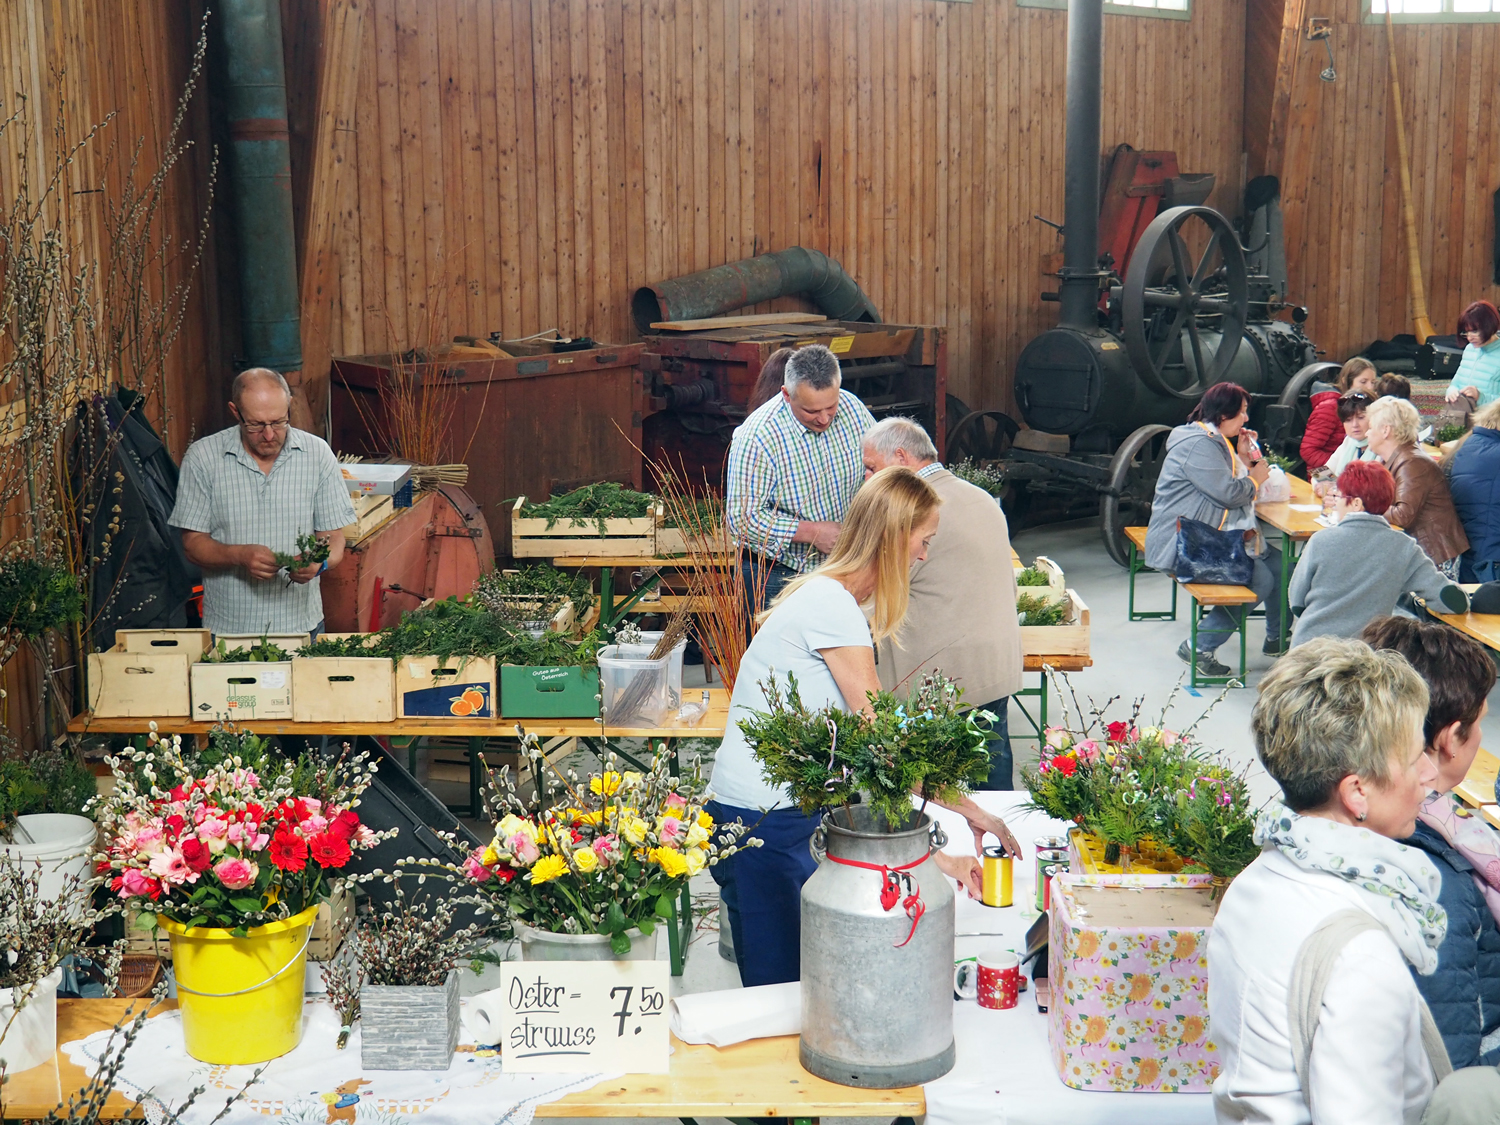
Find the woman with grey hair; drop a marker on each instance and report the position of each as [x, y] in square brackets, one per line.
[1423, 507]
[1316, 934]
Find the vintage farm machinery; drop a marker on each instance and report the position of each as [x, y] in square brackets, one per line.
[1160, 297]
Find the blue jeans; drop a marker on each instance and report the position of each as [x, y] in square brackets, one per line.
[1265, 580]
[776, 577]
[1001, 760]
[762, 891]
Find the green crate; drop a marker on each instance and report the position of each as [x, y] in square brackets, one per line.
[548, 693]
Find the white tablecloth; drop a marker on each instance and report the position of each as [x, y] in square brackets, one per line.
[317, 1083]
[1004, 1074]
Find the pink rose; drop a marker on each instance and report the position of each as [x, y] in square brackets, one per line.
[148, 839]
[524, 848]
[236, 874]
[1170, 738]
[312, 825]
[476, 870]
[668, 830]
[364, 837]
[675, 800]
[1088, 751]
[606, 848]
[135, 882]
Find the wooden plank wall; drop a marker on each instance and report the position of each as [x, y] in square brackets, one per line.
[526, 164]
[1346, 252]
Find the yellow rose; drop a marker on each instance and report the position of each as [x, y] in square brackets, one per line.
[695, 861]
[547, 868]
[633, 828]
[585, 860]
[697, 836]
[607, 785]
[705, 821]
[669, 860]
[632, 779]
[511, 825]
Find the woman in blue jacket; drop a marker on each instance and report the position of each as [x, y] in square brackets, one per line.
[1474, 480]
[1464, 992]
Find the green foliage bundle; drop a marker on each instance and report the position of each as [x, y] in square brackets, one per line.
[310, 550]
[36, 595]
[1451, 431]
[987, 477]
[511, 593]
[48, 782]
[593, 503]
[1212, 823]
[453, 628]
[699, 515]
[264, 651]
[1033, 576]
[826, 756]
[1281, 461]
[355, 644]
[1038, 611]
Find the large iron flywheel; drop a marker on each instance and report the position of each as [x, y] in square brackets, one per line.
[1185, 301]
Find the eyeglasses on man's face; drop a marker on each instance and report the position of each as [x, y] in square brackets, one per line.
[262, 427]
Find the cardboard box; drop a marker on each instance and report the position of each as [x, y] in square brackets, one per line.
[462, 687]
[549, 693]
[375, 480]
[1128, 961]
[139, 685]
[1071, 638]
[241, 692]
[343, 689]
[193, 642]
[530, 537]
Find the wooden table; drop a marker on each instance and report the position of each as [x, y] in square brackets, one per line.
[761, 1078]
[1296, 529]
[1483, 627]
[1478, 786]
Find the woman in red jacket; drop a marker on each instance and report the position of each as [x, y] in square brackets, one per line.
[1325, 433]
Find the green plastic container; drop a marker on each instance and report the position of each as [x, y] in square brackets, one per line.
[548, 693]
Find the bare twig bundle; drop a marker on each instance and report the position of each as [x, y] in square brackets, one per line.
[633, 699]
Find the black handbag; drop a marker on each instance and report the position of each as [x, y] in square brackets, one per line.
[1206, 554]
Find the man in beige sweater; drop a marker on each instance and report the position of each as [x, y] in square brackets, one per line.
[962, 617]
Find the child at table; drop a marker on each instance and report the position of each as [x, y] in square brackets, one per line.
[1357, 569]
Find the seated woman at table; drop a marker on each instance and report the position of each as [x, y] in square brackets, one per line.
[1464, 993]
[816, 631]
[1211, 472]
[1423, 507]
[1356, 444]
[1478, 376]
[1310, 998]
[1474, 480]
[1356, 570]
[1324, 434]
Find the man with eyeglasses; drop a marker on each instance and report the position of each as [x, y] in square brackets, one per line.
[248, 492]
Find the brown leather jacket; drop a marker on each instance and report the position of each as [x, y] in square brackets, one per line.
[1424, 506]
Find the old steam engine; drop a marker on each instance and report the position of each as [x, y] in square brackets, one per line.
[1150, 320]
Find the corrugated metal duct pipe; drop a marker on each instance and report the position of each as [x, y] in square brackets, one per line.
[261, 174]
[785, 273]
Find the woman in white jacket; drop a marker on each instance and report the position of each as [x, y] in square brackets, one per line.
[1339, 727]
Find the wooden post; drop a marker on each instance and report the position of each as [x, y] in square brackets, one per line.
[1422, 326]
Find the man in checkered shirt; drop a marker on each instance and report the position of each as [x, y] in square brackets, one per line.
[249, 491]
[794, 467]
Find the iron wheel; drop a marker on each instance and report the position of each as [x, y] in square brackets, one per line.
[1132, 487]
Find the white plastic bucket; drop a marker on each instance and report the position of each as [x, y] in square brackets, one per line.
[61, 846]
[28, 1038]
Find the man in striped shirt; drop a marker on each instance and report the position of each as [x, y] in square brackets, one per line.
[250, 491]
[794, 467]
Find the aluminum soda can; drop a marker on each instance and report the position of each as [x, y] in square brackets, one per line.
[998, 887]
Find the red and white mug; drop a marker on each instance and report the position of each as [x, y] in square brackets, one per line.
[999, 979]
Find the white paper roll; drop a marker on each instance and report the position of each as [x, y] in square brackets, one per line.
[738, 1014]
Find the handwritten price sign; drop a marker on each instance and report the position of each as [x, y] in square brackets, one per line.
[560, 1016]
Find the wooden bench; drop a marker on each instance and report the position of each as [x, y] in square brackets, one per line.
[1136, 546]
[1478, 787]
[1202, 597]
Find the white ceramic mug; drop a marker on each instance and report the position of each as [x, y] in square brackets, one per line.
[966, 979]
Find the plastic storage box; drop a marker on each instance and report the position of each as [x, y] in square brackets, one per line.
[674, 671]
[635, 690]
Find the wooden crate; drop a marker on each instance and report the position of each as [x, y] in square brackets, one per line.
[139, 685]
[335, 919]
[429, 689]
[1055, 591]
[672, 541]
[1068, 639]
[233, 642]
[371, 513]
[241, 692]
[343, 689]
[193, 642]
[531, 538]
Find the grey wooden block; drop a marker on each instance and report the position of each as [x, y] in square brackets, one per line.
[408, 1027]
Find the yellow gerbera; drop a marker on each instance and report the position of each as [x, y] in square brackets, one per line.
[547, 868]
[490, 857]
[705, 821]
[585, 860]
[595, 817]
[669, 860]
[606, 785]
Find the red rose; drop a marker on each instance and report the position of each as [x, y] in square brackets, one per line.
[1068, 766]
[178, 793]
[344, 825]
[288, 850]
[1118, 731]
[197, 856]
[329, 850]
[503, 873]
[176, 824]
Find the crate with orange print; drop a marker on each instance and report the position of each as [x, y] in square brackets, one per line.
[456, 687]
[1128, 962]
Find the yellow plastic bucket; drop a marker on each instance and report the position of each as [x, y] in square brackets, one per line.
[241, 997]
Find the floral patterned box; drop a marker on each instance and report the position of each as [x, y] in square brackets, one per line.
[1128, 960]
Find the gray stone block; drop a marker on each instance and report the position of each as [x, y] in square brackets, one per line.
[408, 1027]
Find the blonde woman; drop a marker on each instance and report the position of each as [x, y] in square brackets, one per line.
[817, 631]
[1423, 507]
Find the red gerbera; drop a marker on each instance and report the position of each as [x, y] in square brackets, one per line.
[344, 825]
[1068, 766]
[288, 850]
[329, 850]
[195, 854]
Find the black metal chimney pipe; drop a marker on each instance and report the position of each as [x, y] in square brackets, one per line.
[1079, 291]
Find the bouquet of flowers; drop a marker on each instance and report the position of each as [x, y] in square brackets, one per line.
[230, 840]
[608, 855]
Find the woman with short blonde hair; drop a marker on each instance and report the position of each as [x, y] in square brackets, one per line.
[816, 631]
[1424, 506]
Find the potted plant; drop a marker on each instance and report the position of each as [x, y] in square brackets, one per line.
[231, 853]
[407, 954]
[877, 897]
[43, 800]
[38, 932]
[586, 870]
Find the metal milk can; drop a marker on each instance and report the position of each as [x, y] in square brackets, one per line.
[877, 1007]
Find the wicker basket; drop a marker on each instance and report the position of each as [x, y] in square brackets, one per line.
[139, 973]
